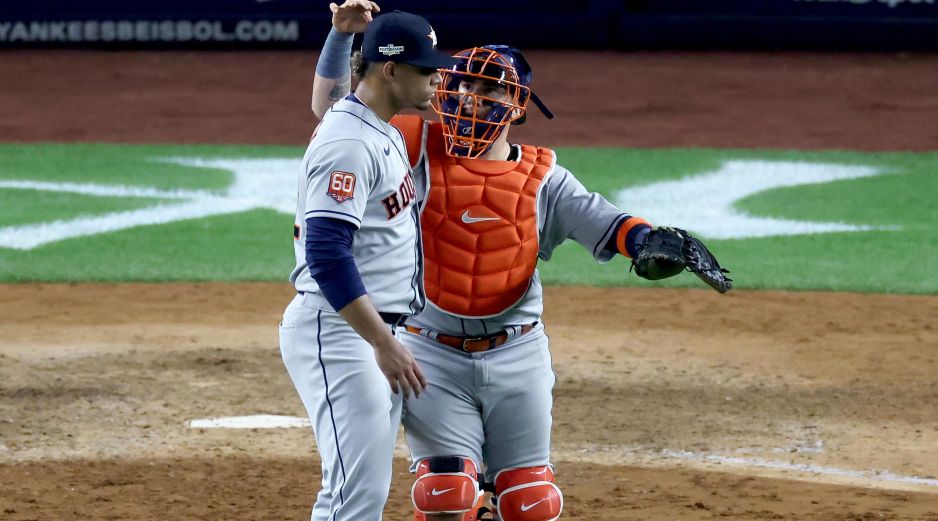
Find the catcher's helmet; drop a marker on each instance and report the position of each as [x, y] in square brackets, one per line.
[470, 131]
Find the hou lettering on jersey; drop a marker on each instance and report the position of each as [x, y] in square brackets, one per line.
[400, 200]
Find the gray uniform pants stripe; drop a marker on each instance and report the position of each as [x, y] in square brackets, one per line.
[354, 415]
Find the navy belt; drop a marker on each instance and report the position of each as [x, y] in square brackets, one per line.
[391, 319]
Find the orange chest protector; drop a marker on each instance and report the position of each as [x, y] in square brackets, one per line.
[479, 226]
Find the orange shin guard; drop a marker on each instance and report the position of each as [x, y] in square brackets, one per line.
[528, 494]
[446, 485]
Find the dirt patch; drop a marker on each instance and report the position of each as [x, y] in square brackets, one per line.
[755, 405]
[245, 488]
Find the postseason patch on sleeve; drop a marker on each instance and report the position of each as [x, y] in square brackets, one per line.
[341, 186]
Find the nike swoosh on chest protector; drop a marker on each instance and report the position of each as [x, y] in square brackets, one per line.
[466, 218]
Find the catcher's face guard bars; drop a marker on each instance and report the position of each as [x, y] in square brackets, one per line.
[472, 121]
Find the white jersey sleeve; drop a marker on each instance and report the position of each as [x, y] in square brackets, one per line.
[567, 210]
[340, 177]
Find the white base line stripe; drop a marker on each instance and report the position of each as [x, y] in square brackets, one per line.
[258, 421]
[267, 421]
[874, 475]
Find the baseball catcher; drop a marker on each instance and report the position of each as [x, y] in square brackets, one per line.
[669, 251]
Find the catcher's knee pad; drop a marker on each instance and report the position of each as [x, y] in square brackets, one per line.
[528, 494]
[446, 485]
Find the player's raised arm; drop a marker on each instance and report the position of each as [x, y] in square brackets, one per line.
[333, 80]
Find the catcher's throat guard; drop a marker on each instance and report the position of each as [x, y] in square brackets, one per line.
[487, 90]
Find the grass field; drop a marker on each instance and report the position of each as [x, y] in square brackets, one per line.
[60, 189]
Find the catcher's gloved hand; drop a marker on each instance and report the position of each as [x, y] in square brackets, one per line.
[668, 251]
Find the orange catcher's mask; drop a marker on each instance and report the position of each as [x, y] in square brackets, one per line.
[486, 90]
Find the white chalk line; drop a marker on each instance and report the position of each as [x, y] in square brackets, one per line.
[257, 184]
[705, 202]
[98, 190]
[618, 455]
[257, 421]
[751, 462]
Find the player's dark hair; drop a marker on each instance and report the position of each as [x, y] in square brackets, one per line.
[359, 65]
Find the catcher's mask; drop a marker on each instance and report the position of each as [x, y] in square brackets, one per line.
[473, 117]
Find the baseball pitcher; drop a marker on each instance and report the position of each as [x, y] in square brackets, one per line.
[359, 270]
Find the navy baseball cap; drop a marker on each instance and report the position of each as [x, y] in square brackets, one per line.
[403, 38]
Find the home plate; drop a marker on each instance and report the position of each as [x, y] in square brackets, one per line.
[257, 421]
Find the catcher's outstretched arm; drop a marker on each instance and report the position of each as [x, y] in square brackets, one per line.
[567, 210]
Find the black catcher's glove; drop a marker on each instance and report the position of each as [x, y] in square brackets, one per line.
[668, 251]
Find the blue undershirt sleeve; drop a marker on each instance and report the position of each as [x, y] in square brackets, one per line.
[334, 59]
[330, 261]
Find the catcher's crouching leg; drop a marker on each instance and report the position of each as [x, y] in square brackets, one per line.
[528, 494]
[446, 486]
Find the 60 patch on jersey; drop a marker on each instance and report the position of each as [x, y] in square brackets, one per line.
[341, 186]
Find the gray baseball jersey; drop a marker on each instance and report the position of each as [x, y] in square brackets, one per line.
[356, 169]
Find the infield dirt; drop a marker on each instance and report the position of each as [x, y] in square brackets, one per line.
[669, 403]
